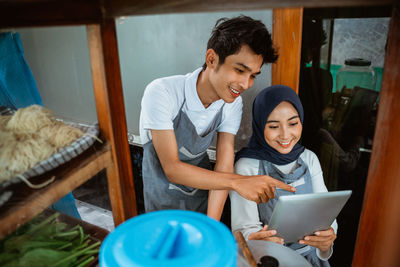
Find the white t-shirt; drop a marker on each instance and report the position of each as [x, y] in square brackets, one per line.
[244, 213]
[163, 98]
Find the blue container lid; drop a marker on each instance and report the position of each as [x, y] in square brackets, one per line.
[169, 238]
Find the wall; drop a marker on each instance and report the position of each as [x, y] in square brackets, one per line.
[59, 60]
[362, 38]
[357, 38]
[150, 47]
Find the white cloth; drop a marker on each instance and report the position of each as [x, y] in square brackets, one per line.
[164, 97]
[244, 213]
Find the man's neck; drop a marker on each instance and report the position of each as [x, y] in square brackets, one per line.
[205, 90]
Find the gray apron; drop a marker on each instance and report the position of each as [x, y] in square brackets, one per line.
[301, 179]
[159, 193]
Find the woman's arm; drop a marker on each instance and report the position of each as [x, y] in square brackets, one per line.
[244, 213]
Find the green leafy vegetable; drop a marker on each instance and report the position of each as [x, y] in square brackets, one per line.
[47, 243]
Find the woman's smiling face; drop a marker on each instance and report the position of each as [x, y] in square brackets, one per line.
[283, 128]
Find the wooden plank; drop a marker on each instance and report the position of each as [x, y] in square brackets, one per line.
[49, 12]
[245, 249]
[22, 13]
[111, 115]
[26, 203]
[349, 12]
[378, 242]
[138, 7]
[286, 36]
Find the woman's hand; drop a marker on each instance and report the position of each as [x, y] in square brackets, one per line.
[266, 235]
[322, 240]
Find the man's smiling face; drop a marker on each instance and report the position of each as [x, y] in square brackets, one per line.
[236, 74]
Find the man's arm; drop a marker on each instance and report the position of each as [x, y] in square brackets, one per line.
[259, 188]
[224, 163]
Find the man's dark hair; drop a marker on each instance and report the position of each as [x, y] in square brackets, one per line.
[229, 35]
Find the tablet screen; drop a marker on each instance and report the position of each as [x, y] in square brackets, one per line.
[296, 216]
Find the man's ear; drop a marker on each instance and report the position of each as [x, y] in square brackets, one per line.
[212, 59]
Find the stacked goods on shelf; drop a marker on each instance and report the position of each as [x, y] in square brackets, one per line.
[33, 141]
[29, 136]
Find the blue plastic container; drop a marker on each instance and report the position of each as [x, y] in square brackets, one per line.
[169, 238]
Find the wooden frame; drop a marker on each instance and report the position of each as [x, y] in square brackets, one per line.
[378, 243]
[111, 114]
[286, 35]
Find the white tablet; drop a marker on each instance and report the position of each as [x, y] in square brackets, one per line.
[296, 216]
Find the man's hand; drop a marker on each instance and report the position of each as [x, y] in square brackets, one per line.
[259, 188]
[322, 240]
[266, 235]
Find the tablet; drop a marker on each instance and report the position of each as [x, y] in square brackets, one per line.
[296, 216]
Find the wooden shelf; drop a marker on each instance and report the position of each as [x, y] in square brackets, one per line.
[26, 203]
[115, 8]
[21, 13]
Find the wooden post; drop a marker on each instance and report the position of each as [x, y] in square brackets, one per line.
[378, 240]
[107, 85]
[286, 35]
[245, 248]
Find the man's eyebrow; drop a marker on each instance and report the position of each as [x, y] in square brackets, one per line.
[247, 68]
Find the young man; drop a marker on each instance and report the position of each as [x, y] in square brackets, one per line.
[180, 115]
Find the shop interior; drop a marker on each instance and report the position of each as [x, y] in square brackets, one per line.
[93, 72]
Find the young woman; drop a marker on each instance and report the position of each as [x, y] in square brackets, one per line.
[274, 150]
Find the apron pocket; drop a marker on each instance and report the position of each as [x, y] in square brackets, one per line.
[183, 189]
[186, 152]
[299, 182]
